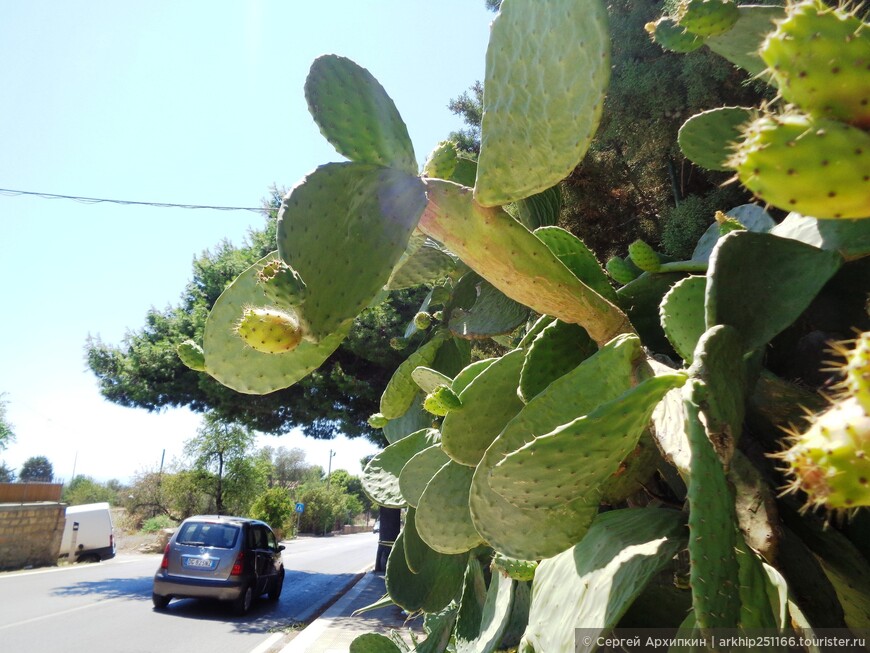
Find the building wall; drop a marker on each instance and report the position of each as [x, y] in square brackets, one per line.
[30, 534]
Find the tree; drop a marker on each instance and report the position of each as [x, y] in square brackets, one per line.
[218, 451]
[323, 506]
[275, 507]
[7, 474]
[36, 468]
[7, 435]
[84, 489]
[145, 372]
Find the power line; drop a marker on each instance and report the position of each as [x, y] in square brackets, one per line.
[101, 200]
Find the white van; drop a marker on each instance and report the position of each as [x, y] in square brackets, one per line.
[88, 535]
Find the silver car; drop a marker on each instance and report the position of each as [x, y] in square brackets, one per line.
[227, 558]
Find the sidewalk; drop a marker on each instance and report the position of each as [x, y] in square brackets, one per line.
[335, 629]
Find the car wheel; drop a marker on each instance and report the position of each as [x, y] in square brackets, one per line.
[242, 604]
[278, 585]
[160, 602]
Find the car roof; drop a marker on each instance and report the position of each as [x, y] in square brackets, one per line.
[225, 518]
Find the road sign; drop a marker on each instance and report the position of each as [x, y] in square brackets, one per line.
[300, 507]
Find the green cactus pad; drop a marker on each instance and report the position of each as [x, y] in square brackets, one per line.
[593, 584]
[515, 261]
[671, 36]
[817, 58]
[373, 643]
[741, 43]
[849, 238]
[519, 617]
[578, 258]
[634, 472]
[492, 314]
[419, 470]
[557, 350]
[441, 161]
[401, 389]
[380, 477]
[414, 419]
[669, 426]
[815, 166]
[236, 365]
[469, 373]
[706, 138]
[426, 265]
[488, 403]
[535, 534]
[751, 216]
[522, 570]
[282, 284]
[641, 299]
[428, 379]
[415, 548]
[575, 460]
[740, 291]
[682, 315]
[537, 110]
[621, 271]
[541, 209]
[470, 613]
[441, 401]
[718, 362]
[714, 574]
[356, 115]
[494, 618]
[377, 421]
[707, 17]
[336, 212]
[465, 172]
[755, 505]
[533, 329]
[443, 518]
[644, 256]
[755, 607]
[192, 355]
[432, 588]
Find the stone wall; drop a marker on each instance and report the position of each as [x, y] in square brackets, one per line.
[30, 534]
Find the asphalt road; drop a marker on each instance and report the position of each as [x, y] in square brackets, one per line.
[106, 607]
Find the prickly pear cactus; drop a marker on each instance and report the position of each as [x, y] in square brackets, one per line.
[707, 17]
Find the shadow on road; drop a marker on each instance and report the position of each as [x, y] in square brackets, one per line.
[305, 595]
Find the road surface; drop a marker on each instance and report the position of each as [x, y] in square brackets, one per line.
[106, 607]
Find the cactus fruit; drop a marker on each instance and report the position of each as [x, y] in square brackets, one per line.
[829, 462]
[522, 570]
[671, 36]
[818, 167]
[441, 401]
[378, 421]
[398, 343]
[817, 57]
[620, 270]
[727, 224]
[644, 256]
[857, 369]
[192, 355]
[441, 162]
[269, 330]
[707, 17]
[422, 320]
[281, 284]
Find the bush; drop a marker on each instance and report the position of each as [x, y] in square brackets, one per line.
[157, 523]
[275, 508]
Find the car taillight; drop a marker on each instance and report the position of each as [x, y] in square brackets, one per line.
[237, 567]
[164, 564]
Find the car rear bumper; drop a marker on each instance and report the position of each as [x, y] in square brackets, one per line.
[196, 588]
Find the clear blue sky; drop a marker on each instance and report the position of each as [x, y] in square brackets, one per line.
[184, 102]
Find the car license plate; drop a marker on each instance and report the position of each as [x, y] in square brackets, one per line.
[199, 563]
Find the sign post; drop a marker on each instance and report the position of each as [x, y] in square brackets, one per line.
[300, 508]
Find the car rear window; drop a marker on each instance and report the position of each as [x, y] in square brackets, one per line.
[222, 536]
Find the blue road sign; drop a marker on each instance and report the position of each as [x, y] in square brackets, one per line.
[300, 507]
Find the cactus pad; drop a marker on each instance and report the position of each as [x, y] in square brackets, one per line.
[578, 258]
[849, 238]
[707, 17]
[739, 288]
[419, 470]
[682, 315]
[229, 360]
[432, 587]
[815, 166]
[557, 350]
[336, 212]
[515, 261]
[532, 534]
[536, 109]
[488, 403]
[428, 379]
[441, 161]
[817, 57]
[621, 271]
[356, 115]
[380, 477]
[443, 519]
[592, 585]
[741, 43]
[671, 36]
[706, 137]
[441, 401]
[426, 265]
[373, 643]
[644, 256]
[575, 460]
[492, 314]
[751, 216]
[192, 355]
[282, 284]
[494, 618]
[541, 209]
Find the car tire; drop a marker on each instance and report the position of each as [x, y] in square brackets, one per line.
[277, 586]
[242, 604]
[160, 602]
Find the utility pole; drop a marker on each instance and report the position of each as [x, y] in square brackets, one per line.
[329, 468]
